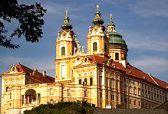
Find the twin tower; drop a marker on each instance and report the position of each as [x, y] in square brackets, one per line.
[101, 41]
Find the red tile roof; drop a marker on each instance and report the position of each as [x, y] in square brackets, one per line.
[131, 71]
[22, 68]
[38, 77]
[137, 73]
[98, 59]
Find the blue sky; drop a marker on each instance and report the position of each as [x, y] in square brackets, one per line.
[143, 24]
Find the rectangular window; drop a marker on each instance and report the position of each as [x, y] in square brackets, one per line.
[105, 47]
[134, 91]
[80, 81]
[116, 56]
[117, 97]
[117, 84]
[134, 102]
[139, 91]
[139, 103]
[91, 81]
[129, 101]
[112, 97]
[112, 84]
[100, 95]
[63, 71]
[125, 100]
[63, 51]
[95, 46]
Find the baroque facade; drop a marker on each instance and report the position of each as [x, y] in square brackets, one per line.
[102, 76]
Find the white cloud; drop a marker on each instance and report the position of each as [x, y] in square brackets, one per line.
[54, 8]
[149, 45]
[59, 9]
[153, 65]
[150, 7]
[140, 41]
[33, 63]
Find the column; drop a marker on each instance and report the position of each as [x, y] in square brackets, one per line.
[103, 87]
[24, 99]
[36, 98]
[27, 99]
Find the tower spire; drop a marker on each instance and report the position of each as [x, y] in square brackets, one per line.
[66, 13]
[111, 25]
[66, 24]
[111, 20]
[110, 17]
[97, 20]
[97, 7]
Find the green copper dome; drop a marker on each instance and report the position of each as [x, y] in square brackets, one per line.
[116, 38]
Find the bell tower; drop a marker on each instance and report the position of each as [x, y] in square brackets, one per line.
[65, 43]
[66, 47]
[96, 39]
[117, 45]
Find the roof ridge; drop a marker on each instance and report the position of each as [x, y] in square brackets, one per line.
[153, 79]
[23, 66]
[137, 68]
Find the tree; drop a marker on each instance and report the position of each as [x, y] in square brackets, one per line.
[62, 108]
[29, 18]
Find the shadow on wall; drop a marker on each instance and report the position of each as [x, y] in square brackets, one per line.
[131, 111]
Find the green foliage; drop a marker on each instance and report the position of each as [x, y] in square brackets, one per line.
[62, 108]
[29, 18]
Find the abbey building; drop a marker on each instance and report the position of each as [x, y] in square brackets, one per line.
[100, 75]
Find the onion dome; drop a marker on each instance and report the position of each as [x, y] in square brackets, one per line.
[114, 37]
[97, 20]
[66, 25]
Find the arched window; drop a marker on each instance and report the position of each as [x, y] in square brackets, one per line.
[80, 81]
[91, 81]
[116, 56]
[30, 96]
[85, 81]
[95, 46]
[62, 51]
[7, 89]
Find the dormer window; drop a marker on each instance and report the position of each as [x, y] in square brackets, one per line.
[13, 69]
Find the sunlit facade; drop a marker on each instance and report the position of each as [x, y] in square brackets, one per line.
[100, 74]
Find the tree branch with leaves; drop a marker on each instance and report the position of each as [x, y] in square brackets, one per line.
[30, 20]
